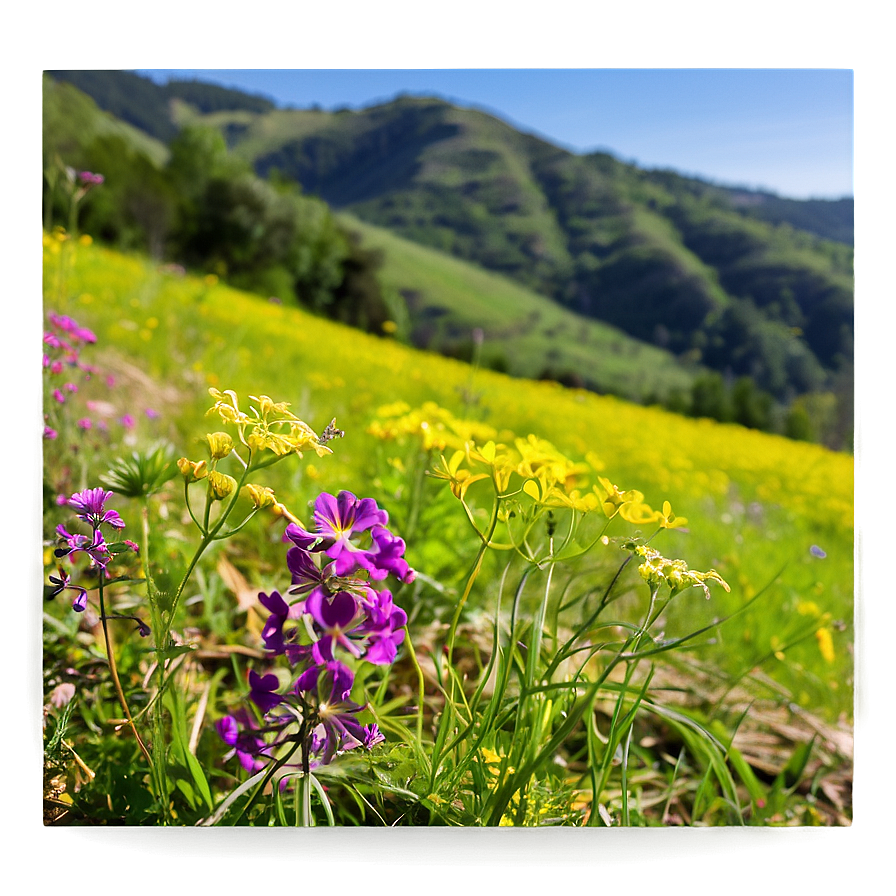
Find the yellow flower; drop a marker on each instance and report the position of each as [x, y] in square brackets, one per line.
[259, 495]
[613, 499]
[192, 471]
[279, 509]
[490, 756]
[656, 569]
[220, 485]
[668, 520]
[219, 444]
[459, 480]
[825, 644]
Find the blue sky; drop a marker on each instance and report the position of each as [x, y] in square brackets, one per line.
[786, 130]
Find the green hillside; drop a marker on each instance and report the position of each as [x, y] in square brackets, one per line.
[667, 259]
[524, 334]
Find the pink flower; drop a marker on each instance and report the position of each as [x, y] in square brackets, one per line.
[56, 367]
[50, 433]
[85, 423]
[58, 396]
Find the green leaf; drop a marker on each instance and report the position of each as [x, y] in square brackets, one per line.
[745, 772]
[796, 765]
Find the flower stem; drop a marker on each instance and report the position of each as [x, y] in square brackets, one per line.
[113, 669]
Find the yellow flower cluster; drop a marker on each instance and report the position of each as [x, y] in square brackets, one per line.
[271, 426]
[548, 476]
[435, 427]
[656, 569]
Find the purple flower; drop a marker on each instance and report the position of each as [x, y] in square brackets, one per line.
[85, 423]
[305, 573]
[262, 691]
[152, 414]
[95, 547]
[372, 736]
[816, 551]
[337, 520]
[50, 433]
[246, 746]
[384, 627]
[89, 179]
[90, 507]
[127, 421]
[336, 618]
[58, 396]
[275, 638]
[330, 684]
[63, 582]
[389, 556]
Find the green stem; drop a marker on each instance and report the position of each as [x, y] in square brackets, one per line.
[110, 654]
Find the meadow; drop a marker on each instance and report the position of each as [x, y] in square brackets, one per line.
[704, 722]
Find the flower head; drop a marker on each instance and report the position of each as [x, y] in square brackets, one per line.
[89, 505]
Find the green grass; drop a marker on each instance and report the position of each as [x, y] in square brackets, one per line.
[755, 502]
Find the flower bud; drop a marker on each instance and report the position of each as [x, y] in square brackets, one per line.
[191, 470]
[259, 495]
[281, 510]
[219, 444]
[220, 485]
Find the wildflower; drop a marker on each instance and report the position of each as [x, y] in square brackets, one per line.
[58, 396]
[337, 520]
[389, 556]
[263, 691]
[219, 444]
[329, 686]
[50, 433]
[192, 471]
[85, 423]
[94, 546]
[816, 551]
[260, 496]
[336, 617]
[152, 414]
[63, 582]
[656, 569]
[220, 485]
[825, 644]
[127, 421]
[458, 479]
[385, 627]
[90, 507]
[277, 639]
[246, 746]
[62, 694]
[668, 520]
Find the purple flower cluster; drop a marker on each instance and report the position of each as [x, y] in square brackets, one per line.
[89, 179]
[336, 613]
[90, 507]
[62, 345]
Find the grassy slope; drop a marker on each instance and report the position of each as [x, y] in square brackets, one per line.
[755, 502]
[68, 111]
[527, 330]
